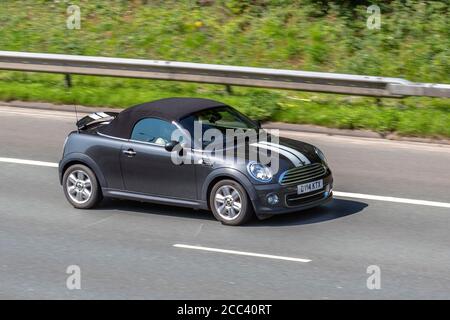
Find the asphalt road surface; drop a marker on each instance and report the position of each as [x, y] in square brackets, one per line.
[127, 249]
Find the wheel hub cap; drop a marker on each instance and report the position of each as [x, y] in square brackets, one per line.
[79, 187]
[227, 202]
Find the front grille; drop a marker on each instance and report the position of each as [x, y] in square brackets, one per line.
[302, 174]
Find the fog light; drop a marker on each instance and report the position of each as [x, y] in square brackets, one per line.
[272, 199]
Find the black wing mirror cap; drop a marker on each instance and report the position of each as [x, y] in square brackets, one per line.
[169, 146]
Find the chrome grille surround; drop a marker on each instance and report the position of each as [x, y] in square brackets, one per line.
[302, 174]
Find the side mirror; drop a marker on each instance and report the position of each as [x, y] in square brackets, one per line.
[169, 146]
[258, 123]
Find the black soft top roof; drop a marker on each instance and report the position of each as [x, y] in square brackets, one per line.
[170, 109]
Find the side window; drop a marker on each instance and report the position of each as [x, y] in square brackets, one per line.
[153, 130]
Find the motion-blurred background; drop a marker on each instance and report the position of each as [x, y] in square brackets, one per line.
[413, 42]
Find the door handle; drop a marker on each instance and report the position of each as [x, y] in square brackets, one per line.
[129, 152]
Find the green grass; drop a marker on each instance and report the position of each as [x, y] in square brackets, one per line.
[413, 43]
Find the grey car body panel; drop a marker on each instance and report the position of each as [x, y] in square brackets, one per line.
[100, 153]
[151, 171]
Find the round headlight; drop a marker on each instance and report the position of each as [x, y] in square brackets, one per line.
[259, 172]
[321, 155]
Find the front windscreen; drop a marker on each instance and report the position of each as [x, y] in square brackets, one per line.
[221, 118]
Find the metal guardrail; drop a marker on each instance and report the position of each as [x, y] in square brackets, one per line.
[220, 74]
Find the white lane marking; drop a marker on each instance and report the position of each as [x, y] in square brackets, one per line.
[391, 199]
[241, 253]
[336, 193]
[298, 154]
[295, 161]
[30, 162]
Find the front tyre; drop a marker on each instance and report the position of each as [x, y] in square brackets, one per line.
[230, 204]
[81, 187]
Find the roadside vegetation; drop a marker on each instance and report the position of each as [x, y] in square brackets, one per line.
[413, 43]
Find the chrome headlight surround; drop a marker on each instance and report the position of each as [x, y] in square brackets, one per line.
[259, 172]
[321, 155]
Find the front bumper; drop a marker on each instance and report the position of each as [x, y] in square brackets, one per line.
[289, 201]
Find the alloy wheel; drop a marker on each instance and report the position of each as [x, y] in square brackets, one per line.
[79, 186]
[228, 202]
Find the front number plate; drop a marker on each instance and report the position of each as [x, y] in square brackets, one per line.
[310, 186]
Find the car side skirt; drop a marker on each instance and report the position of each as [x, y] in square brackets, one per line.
[121, 194]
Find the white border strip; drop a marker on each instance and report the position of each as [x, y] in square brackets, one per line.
[241, 253]
[30, 162]
[391, 199]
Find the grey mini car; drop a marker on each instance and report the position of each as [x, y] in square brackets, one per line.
[134, 155]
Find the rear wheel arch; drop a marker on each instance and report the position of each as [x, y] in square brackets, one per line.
[81, 186]
[71, 163]
[86, 161]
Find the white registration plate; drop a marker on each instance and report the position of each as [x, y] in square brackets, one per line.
[310, 186]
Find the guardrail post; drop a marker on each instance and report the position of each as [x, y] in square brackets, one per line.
[229, 89]
[68, 80]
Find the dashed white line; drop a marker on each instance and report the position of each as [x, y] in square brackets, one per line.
[336, 193]
[30, 162]
[391, 199]
[241, 253]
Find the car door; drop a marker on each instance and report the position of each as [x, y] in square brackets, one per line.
[147, 167]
